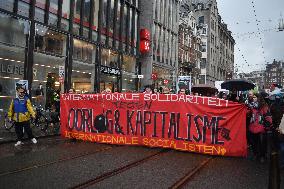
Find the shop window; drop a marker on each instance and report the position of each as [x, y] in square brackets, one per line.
[83, 77]
[84, 51]
[83, 70]
[49, 41]
[109, 58]
[128, 64]
[7, 5]
[108, 82]
[46, 78]
[128, 84]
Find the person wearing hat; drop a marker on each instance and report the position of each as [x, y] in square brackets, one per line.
[20, 112]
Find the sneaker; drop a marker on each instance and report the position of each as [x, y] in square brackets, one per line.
[34, 140]
[19, 143]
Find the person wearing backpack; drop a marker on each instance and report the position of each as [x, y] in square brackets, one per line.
[20, 112]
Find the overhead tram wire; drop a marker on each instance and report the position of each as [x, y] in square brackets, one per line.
[261, 40]
[239, 35]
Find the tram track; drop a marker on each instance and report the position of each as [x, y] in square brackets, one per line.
[185, 179]
[119, 170]
[62, 160]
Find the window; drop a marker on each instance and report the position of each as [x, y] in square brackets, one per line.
[65, 15]
[49, 42]
[109, 58]
[203, 48]
[96, 15]
[104, 25]
[83, 51]
[53, 9]
[53, 6]
[66, 9]
[13, 30]
[128, 64]
[201, 20]
[7, 5]
[111, 24]
[204, 31]
[77, 10]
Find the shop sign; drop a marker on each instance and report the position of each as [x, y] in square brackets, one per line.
[108, 70]
[145, 34]
[144, 41]
[144, 46]
[61, 74]
[12, 69]
[140, 76]
[23, 84]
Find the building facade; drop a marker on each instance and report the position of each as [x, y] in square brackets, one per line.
[159, 67]
[257, 77]
[189, 44]
[274, 73]
[217, 61]
[94, 42]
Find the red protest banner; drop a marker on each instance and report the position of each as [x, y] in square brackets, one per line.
[182, 122]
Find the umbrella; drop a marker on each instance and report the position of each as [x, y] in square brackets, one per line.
[238, 84]
[204, 89]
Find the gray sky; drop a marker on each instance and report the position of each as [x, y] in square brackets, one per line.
[252, 50]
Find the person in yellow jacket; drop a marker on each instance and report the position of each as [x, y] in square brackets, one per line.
[20, 112]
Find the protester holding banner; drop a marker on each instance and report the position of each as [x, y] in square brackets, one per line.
[20, 112]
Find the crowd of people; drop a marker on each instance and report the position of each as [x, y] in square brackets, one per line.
[265, 111]
[264, 114]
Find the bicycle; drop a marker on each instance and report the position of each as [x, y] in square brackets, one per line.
[40, 120]
[8, 125]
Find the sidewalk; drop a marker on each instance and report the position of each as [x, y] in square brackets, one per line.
[10, 136]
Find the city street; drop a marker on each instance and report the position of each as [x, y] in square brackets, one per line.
[61, 163]
[141, 94]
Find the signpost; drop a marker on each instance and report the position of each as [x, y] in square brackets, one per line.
[61, 74]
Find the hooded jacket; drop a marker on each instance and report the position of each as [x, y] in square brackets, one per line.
[21, 110]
